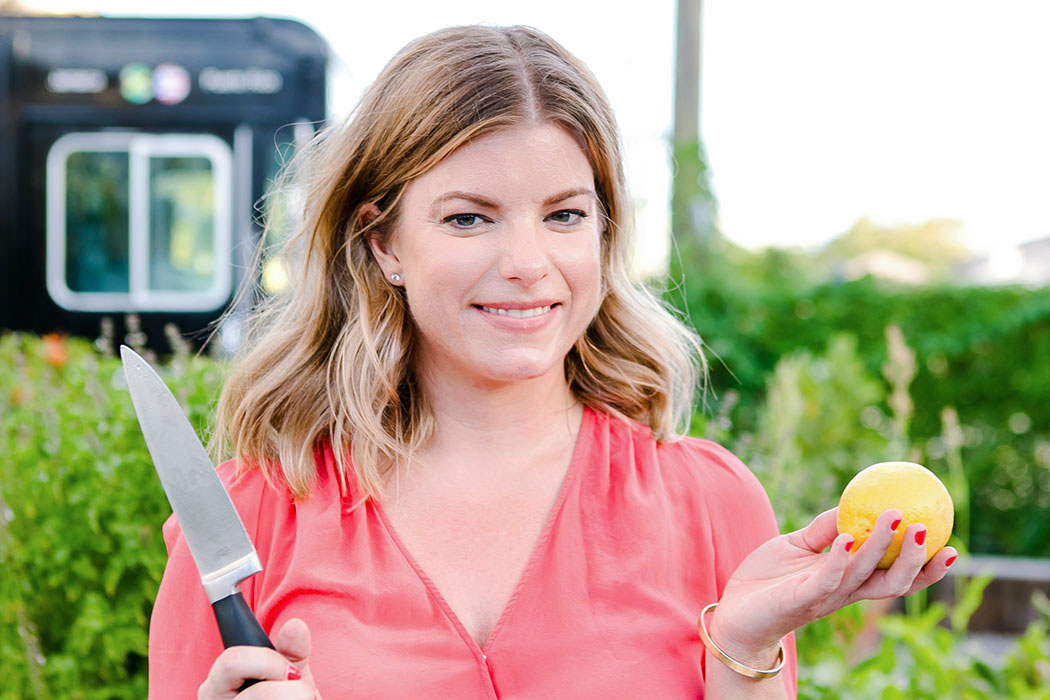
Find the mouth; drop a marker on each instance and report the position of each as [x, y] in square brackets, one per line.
[517, 313]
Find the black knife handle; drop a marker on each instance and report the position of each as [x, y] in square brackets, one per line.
[238, 626]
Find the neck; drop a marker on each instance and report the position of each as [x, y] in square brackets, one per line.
[506, 423]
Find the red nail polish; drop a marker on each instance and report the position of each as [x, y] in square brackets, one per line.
[951, 560]
[849, 545]
[294, 674]
[895, 524]
[920, 537]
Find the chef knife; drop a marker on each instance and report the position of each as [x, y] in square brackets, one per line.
[216, 537]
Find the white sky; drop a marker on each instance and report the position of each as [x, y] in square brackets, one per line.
[814, 112]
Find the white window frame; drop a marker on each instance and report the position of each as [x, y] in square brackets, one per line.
[140, 147]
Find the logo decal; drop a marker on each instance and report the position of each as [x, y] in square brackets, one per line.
[136, 83]
[171, 83]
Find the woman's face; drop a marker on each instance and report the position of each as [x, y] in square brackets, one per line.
[499, 250]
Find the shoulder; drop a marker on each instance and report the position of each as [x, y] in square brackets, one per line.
[696, 464]
[723, 475]
[252, 494]
[698, 493]
[700, 481]
[247, 486]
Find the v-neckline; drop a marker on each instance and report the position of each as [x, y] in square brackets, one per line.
[539, 549]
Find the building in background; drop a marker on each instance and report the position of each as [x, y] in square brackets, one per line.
[1027, 264]
[135, 156]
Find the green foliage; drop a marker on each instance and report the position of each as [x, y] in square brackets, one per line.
[80, 545]
[980, 352]
[919, 657]
[817, 380]
[821, 410]
[1028, 664]
[814, 415]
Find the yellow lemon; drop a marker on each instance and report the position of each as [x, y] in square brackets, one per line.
[910, 488]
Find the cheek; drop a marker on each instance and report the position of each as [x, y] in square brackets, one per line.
[436, 284]
[434, 273]
[584, 269]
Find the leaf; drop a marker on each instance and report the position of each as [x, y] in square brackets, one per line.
[969, 601]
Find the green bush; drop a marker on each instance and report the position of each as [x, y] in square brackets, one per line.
[979, 351]
[817, 423]
[82, 556]
[80, 546]
[924, 656]
[810, 433]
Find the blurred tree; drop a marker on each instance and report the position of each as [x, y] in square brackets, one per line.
[692, 204]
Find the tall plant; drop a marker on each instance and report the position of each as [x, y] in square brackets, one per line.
[81, 553]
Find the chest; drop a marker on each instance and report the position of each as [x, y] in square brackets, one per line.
[474, 548]
[601, 609]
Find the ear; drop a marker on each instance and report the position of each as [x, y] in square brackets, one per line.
[380, 245]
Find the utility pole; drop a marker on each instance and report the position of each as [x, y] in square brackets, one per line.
[687, 73]
[692, 206]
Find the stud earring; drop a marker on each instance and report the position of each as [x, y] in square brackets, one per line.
[395, 278]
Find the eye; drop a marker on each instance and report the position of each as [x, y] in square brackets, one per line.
[568, 217]
[464, 221]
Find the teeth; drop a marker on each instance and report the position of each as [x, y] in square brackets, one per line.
[518, 313]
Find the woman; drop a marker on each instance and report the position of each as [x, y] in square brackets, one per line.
[455, 439]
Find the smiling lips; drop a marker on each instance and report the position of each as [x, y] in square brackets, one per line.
[516, 313]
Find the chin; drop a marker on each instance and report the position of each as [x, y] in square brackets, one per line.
[517, 369]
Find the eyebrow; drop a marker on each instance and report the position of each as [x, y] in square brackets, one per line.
[489, 204]
[569, 194]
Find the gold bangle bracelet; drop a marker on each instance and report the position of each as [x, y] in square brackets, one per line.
[729, 661]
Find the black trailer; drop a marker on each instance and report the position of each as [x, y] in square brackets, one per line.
[133, 153]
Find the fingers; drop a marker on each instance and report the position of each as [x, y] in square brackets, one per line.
[285, 671]
[238, 664]
[816, 591]
[908, 573]
[294, 641]
[902, 573]
[898, 579]
[818, 534]
[279, 690]
[935, 569]
[866, 558]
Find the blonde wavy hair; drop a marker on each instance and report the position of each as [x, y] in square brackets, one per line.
[332, 359]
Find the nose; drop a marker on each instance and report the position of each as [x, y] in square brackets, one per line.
[523, 257]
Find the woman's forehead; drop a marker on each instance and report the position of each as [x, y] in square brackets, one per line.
[544, 157]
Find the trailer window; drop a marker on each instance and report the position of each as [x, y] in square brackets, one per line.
[96, 257]
[182, 228]
[139, 222]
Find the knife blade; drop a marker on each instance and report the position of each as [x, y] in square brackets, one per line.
[217, 540]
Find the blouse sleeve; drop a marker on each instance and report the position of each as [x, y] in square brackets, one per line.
[739, 518]
[184, 638]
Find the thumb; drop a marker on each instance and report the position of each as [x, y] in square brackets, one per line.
[820, 533]
[293, 641]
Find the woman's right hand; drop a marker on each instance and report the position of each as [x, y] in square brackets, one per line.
[283, 674]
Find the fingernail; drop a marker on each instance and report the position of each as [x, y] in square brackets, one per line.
[951, 560]
[895, 524]
[294, 674]
[849, 545]
[920, 537]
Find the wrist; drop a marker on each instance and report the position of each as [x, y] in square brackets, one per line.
[748, 655]
[750, 652]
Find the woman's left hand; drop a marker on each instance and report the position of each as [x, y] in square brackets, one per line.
[790, 581]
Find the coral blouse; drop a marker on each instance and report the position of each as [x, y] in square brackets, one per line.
[640, 538]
